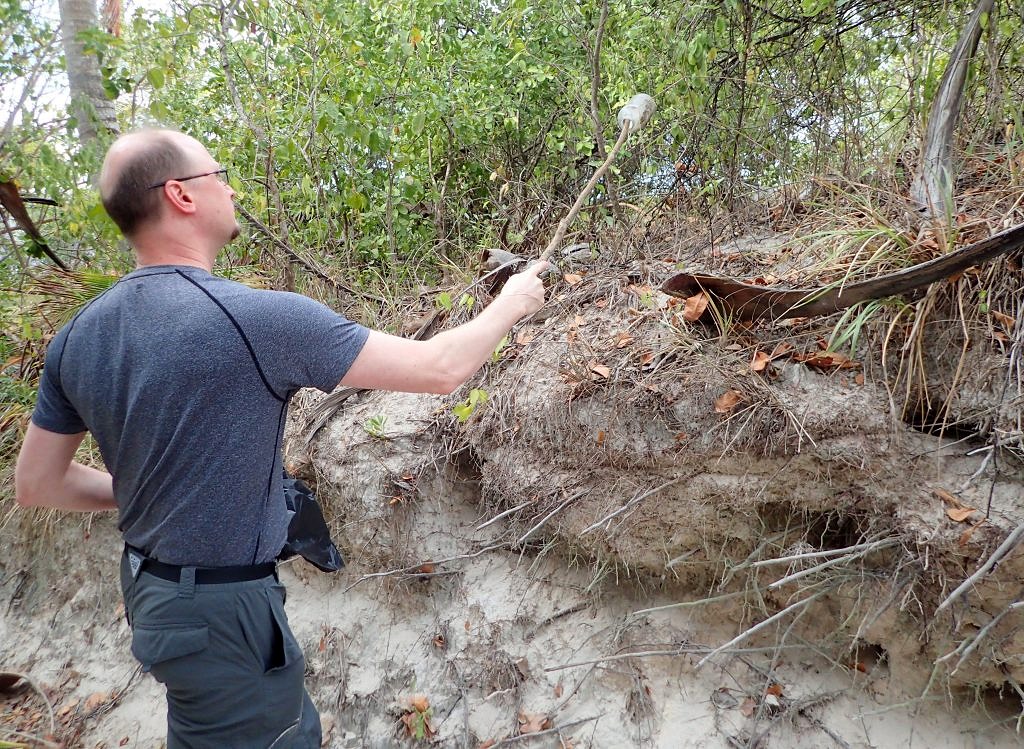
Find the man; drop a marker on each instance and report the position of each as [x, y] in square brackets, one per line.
[183, 378]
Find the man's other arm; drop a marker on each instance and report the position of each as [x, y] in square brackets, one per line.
[442, 363]
[47, 475]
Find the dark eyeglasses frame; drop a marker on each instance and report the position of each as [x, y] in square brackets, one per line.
[186, 179]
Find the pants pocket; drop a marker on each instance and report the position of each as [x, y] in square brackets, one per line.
[154, 644]
[287, 652]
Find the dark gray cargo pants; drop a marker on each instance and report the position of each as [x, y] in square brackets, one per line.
[232, 668]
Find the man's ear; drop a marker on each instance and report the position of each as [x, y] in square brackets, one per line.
[179, 198]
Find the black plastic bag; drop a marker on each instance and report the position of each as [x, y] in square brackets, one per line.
[308, 535]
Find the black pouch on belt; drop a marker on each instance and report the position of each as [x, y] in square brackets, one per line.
[308, 535]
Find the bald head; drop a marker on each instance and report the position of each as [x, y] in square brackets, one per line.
[133, 164]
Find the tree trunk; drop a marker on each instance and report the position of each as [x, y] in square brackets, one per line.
[932, 186]
[90, 105]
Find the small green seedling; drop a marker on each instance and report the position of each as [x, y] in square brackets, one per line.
[375, 426]
[465, 409]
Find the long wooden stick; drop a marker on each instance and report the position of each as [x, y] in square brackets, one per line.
[556, 240]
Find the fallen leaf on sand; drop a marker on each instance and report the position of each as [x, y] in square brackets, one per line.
[759, 361]
[94, 700]
[727, 401]
[419, 703]
[827, 360]
[572, 279]
[960, 514]
[533, 723]
[965, 537]
[694, 307]
[600, 370]
[747, 707]
[1005, 320]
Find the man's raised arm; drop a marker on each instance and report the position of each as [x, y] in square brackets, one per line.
[442, 363]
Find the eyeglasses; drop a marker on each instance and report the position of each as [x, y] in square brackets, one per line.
[186, 179]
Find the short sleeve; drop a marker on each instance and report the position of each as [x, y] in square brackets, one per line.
[54, 411]
[301, 342]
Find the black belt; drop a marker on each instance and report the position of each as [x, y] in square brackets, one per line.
[205, 575]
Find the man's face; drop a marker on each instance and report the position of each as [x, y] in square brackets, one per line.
[212, 194]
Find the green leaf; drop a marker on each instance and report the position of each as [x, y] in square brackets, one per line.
[418, 121]
[356, 200]
[155, 76]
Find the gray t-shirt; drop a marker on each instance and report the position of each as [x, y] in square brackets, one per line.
[184, 378]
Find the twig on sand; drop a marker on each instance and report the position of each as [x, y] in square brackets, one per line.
[546, 732]
[547, 517]
[630, 504]
[688, 604]
[506, 513]
[1004, 548]
[415, 567]
[867, 549]
[864, 547]
[758, 627]
[971, 644]
[15, 677]
[556, 616]
[681, 650]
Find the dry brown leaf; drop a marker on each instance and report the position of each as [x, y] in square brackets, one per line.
[600, 303]
[124, 741]
[1005, 320]
[622, 340]
[759, 362]
[600, 437]
[419, 703]
[827, 360]
[965, 537]
[959, 514]
[695, 306]
[94, 700]
[572, 279]
[774, 689]
[524, 336]
[487, 744]
[727, 401]
[859, 378]
[946, 497]
[439, 641]
[781, 349]
[426, 568]
[600, 370]
[646, 358]
[747, 707]
[533, 723]
[558, 690]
